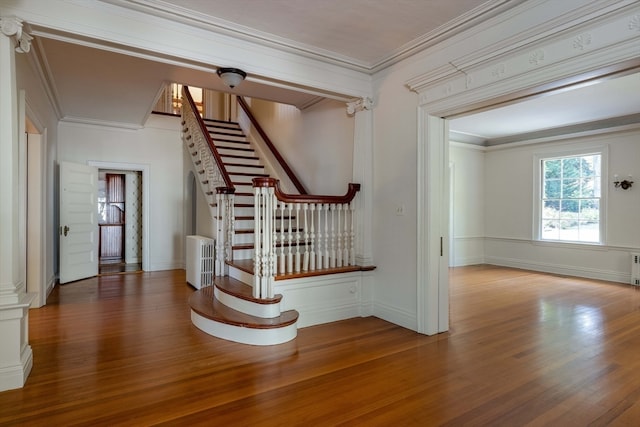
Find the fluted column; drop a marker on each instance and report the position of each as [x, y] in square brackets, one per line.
[362, 109]
[15, 353]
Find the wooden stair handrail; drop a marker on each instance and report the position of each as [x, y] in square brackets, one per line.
[214, 151]
[292, 176]
[306, 198]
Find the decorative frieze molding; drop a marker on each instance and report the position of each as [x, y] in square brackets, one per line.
[359, 105]
[13, 27]
[634, 23]
[561, 54]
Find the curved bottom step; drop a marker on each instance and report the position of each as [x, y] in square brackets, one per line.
[216, 319]
[242, 334]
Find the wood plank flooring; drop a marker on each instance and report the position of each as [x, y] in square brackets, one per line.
[524, 349]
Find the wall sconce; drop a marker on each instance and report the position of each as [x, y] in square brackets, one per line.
[624, 184]
[232, 77]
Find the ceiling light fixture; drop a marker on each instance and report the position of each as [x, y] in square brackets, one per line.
[232, 77]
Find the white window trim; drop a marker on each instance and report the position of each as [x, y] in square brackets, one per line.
[603, 150]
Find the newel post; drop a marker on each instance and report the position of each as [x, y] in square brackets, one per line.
[264, 264]
[362, 110]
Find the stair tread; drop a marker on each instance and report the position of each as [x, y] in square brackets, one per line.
[241, 290]
[246, 265]
[230, 141]
[204, 303]
[244, 165]
[264, 175]
[235, 156]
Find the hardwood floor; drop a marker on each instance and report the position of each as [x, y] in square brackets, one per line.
[524, 349]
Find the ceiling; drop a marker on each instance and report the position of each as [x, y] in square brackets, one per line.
[365, 35]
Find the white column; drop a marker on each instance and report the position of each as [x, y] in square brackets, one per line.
[363, 175]
[16, 356]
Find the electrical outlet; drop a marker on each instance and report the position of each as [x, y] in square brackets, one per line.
[400, 210]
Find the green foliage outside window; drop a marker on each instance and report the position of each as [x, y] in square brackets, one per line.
[571, 198]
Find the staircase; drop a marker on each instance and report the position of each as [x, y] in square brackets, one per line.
[228, 309]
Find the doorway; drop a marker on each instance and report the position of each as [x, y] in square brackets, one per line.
[119, 221]
[134, 255]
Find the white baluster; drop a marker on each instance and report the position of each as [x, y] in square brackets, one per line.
[312, 238]
[345, 234]
[332, 257]
[320, 239]
[296, 267]
[352, 259]
[290, 239]
[281, 268]
[305, 258]
[257, 250]
[339, 235]
[269, 244]
[325, 248]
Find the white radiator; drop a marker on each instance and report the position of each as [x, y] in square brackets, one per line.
[635, 269]
[200, 261]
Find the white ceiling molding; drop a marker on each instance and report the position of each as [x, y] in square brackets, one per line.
[137, 35]
[558, 57]
[214, 24]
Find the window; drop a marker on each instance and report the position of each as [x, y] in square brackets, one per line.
[570, 205]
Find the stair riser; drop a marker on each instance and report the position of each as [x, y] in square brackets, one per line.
[244, 335]
[226, 150]
[225, 135]
[266, 311]
[243, 254]
[239, 144]
[220, 129]
[238, 274]
[244, 169]
[227, 159]
[243, 199]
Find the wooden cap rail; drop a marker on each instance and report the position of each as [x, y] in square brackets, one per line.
[205, 132]
[306, 198]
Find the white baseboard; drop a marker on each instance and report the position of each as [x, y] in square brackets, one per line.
[396, 316]
[12, 377]
[565, 270]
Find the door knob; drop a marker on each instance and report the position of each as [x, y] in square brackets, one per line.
[66, 230]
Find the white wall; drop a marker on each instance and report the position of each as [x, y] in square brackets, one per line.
[158, 145]
[316, 142]
[467, 204]
[395, 185]
[42, 115]
[510, 205]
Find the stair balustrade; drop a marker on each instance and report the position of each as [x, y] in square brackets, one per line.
[213, 177]
[300, 233]
[292, 235]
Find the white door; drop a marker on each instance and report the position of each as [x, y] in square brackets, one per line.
[78, 221]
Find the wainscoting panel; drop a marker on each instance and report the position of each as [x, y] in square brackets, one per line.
[589, 261]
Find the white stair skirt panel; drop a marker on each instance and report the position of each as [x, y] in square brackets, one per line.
[266, 311]
[244, 335]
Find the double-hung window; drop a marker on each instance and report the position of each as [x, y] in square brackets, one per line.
[570, 207]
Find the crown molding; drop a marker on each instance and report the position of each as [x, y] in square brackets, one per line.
[579, 51]
[192, 18]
